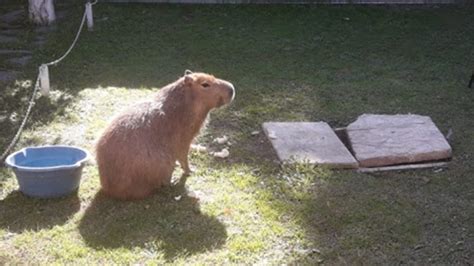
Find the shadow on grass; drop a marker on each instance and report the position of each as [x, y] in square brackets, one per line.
[160, 223]
[14, 101]
[20, 213]
[359, 219]
[352, 218]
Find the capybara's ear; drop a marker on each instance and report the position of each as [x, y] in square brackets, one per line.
[188, 79]
[187, 76]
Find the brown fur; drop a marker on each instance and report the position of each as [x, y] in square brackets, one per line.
[137, 152]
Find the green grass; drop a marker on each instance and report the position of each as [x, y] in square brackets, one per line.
[289, 63]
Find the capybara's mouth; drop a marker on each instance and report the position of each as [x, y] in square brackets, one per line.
[224, 100]
[221, 102]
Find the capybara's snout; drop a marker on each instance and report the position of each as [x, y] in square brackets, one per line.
[229, 91]
[232, 93]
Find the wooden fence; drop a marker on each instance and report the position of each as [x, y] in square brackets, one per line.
[373, 2]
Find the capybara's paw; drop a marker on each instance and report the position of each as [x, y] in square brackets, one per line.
[181, 182]
[189, 171]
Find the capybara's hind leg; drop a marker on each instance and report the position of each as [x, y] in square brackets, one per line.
[165, 175]
[134, 192]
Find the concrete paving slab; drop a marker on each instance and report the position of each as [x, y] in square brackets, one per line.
[312, 142]
[381, 140]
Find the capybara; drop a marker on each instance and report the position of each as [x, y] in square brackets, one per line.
[137, 152]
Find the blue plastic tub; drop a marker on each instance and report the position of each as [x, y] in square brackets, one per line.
[48, 171]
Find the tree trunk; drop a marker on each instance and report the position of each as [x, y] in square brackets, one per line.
[42, 12]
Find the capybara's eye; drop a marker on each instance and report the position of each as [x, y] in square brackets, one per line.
[205, 85]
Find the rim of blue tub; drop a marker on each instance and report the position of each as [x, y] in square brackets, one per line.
[10, 163]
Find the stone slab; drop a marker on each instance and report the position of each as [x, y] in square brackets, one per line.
[20, 61]
[4, 25]
[39, 40]
[6, 76]
[45, 29]
[7, 39]
[311, 142]
[11, 32]
[13, 16]
[381, 140]
[12, 52]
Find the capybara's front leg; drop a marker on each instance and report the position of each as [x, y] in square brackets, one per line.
[183, 161]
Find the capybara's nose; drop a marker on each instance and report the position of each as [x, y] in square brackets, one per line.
[231, 93]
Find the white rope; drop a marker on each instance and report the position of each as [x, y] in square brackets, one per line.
[72, 45]
[28, 111]
[37, 87]
[75, 39]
